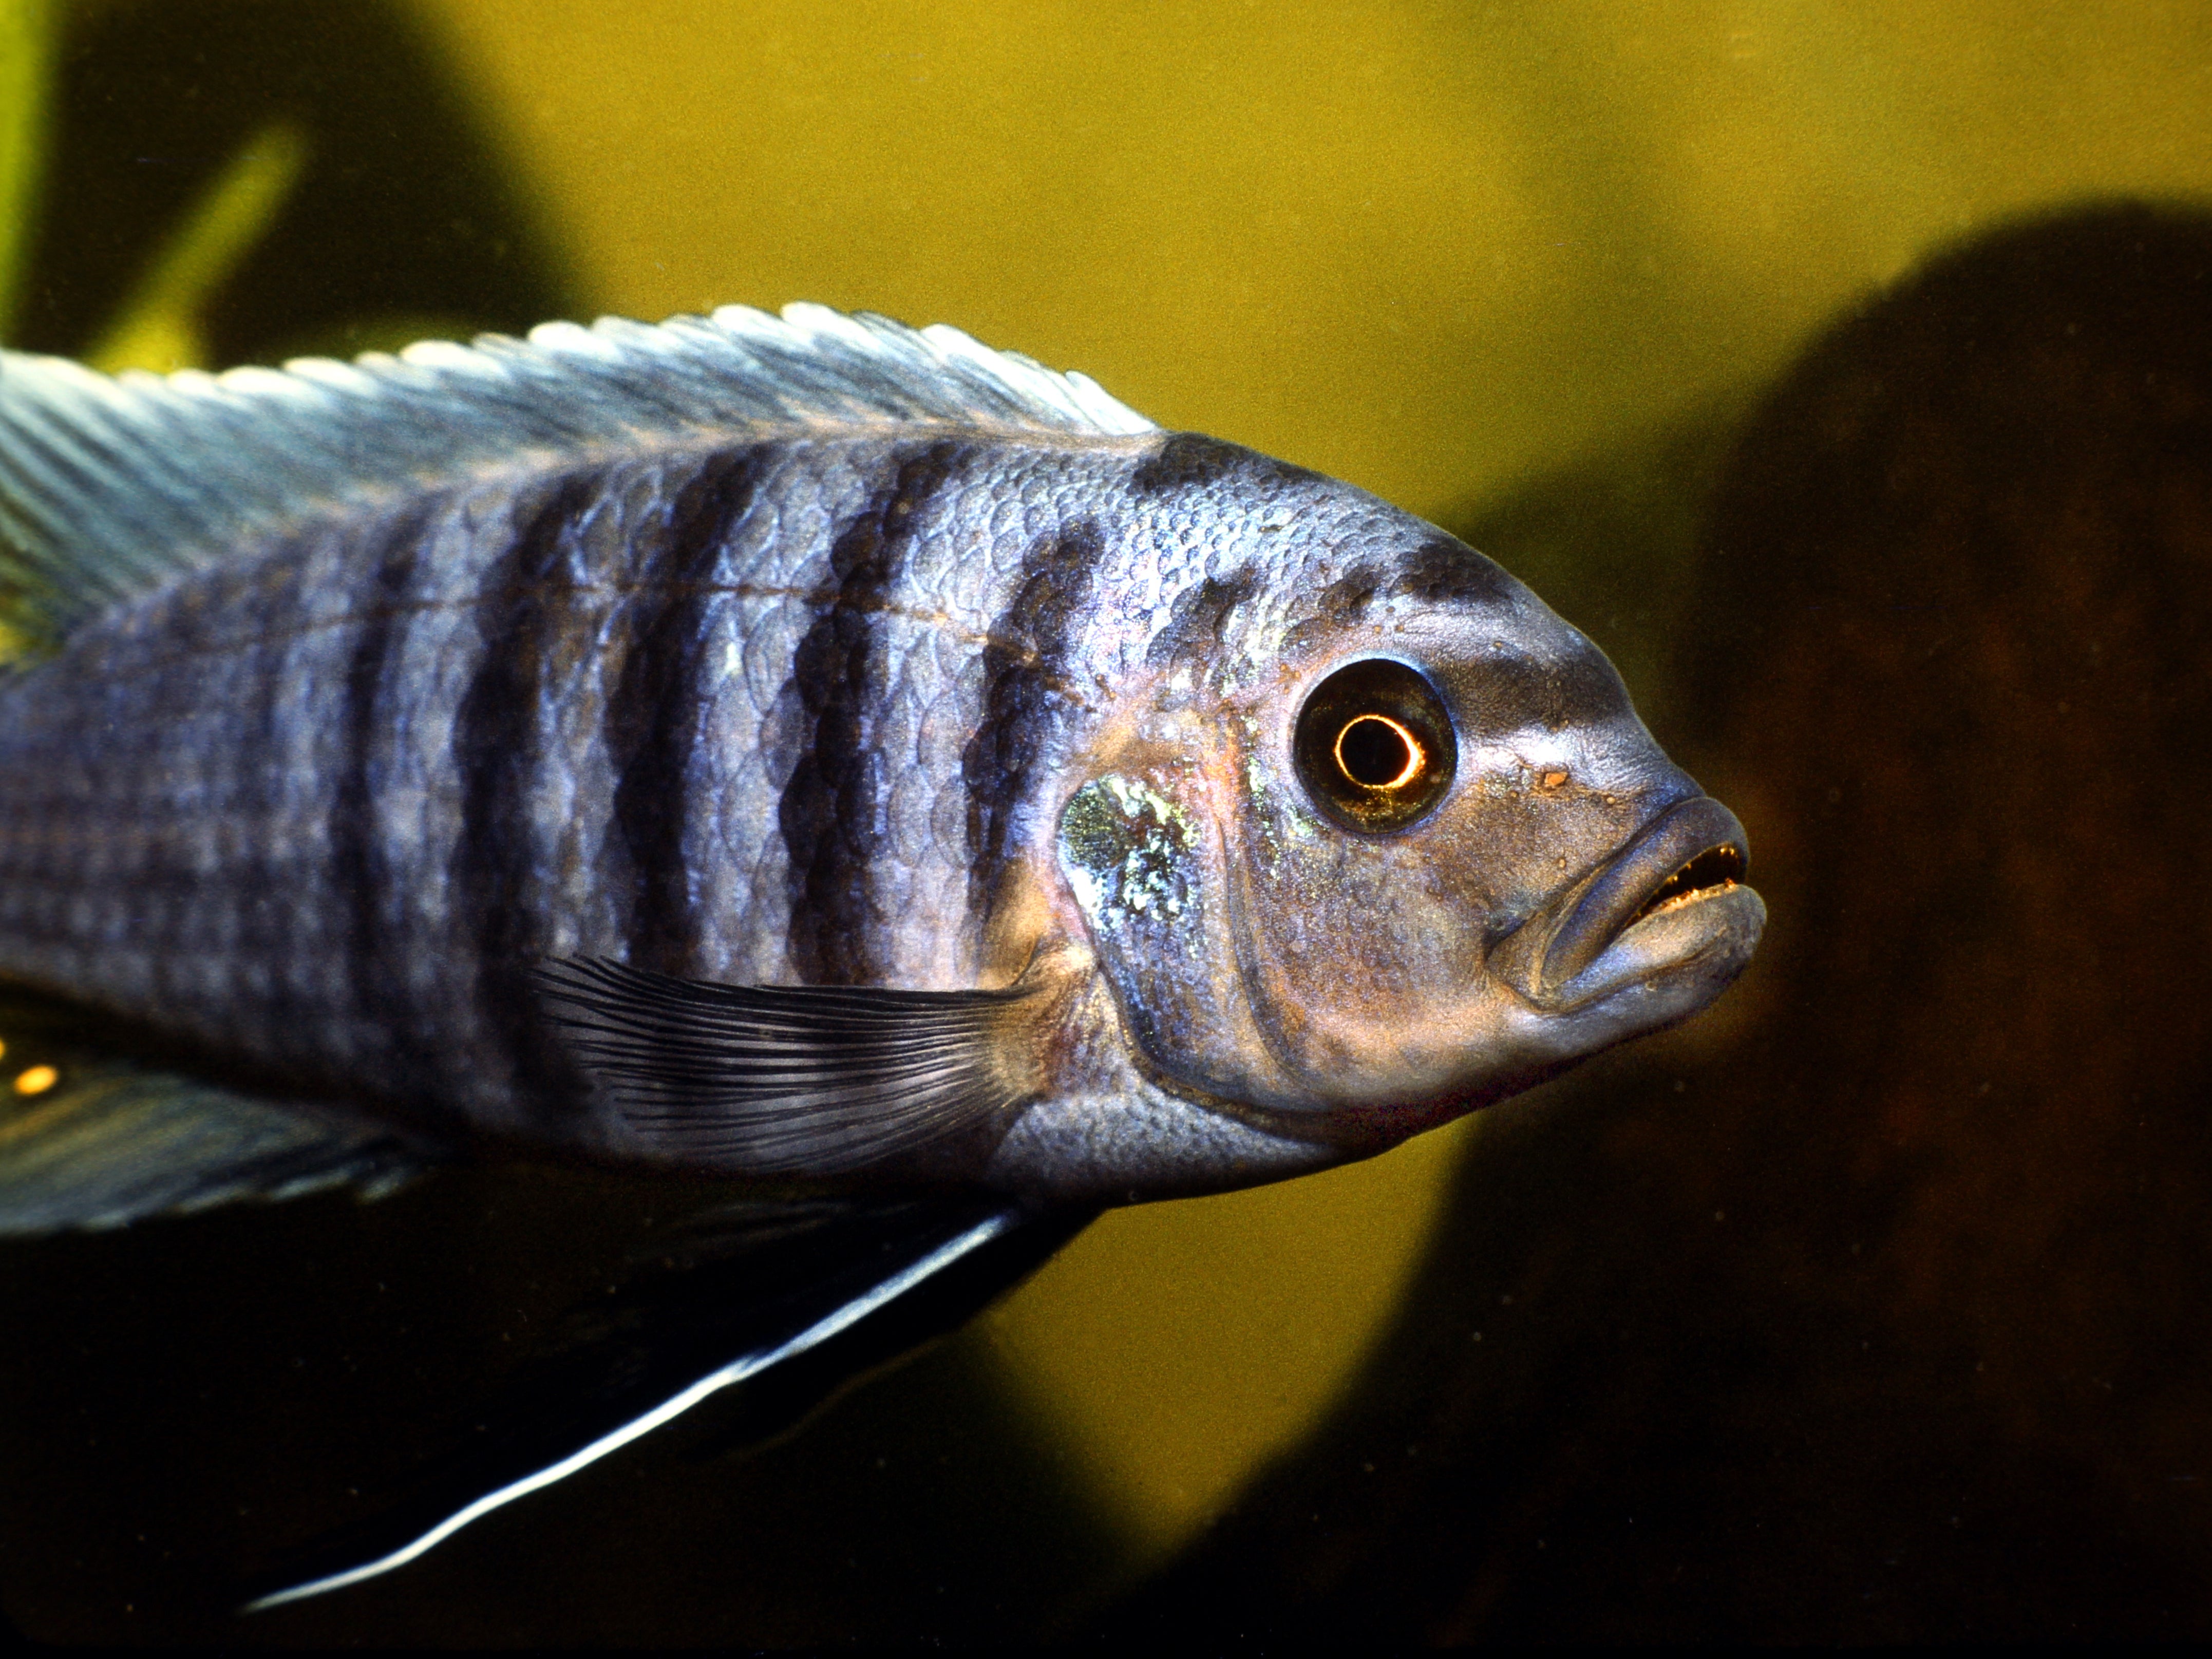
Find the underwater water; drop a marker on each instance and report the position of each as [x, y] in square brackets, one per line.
[1861, 1307]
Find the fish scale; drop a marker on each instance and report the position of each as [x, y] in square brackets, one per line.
[477, 816]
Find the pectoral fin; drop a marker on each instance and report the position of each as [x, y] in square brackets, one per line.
[807, 1080]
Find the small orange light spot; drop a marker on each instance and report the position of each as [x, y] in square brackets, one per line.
[1553, 779]
[3, 1050]
[37, 1080]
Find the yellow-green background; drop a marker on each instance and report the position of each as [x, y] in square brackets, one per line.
[1429, 248]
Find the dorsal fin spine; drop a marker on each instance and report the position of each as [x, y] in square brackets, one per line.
[111, 486]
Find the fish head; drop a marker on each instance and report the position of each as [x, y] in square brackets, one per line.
[1385, 841]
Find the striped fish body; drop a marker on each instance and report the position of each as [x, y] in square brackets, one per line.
[817, 795]
[757, 714]
[780, 713]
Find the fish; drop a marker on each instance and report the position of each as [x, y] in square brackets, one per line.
[879, 772]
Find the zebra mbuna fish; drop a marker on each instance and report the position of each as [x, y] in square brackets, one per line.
[831, 756]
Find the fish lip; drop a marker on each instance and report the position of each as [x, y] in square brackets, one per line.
[1699, 832]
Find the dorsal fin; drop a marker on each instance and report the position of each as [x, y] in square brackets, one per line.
[111, 485]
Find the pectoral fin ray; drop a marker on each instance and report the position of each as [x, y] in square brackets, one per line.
[795, 1080]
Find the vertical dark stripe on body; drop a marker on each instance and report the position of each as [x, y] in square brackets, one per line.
[521, 614]
[1197, 618]
[252, 707]
[1028, 645]
[653, 712]
[831, 810]
[1191, 460]
[361, 872]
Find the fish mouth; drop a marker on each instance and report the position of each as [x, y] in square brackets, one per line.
[1716, 868]
[1691, 858]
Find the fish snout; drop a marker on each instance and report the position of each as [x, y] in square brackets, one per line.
[1693, 852]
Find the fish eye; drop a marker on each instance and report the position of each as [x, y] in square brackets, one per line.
[1374, 747]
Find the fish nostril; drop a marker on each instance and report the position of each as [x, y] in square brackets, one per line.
[1716, 866]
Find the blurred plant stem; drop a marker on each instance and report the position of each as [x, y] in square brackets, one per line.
[26, 42]
[161, 327]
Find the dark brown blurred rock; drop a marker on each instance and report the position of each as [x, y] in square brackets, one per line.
[1874, 1306]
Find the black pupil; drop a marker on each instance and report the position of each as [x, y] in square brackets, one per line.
[1373, 752]
[1374, 746]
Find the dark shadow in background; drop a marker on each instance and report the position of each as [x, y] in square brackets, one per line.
[180, 1401]
[405, 209]
[183, 1399]
[1873, 1307]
